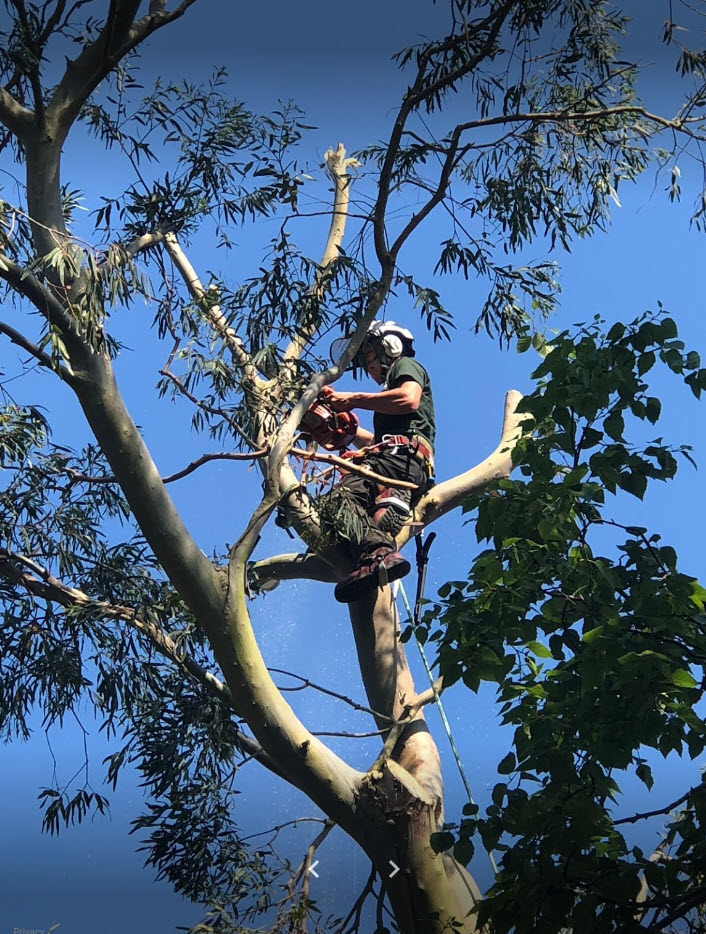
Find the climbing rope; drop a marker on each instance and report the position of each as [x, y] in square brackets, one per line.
[422, 562]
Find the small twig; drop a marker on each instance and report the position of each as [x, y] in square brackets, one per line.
[660, 811]
[185, 471]
[357, 908]
[209, 408]
[307, 683]
[279, 827]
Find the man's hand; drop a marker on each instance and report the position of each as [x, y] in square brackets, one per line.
[340, 401]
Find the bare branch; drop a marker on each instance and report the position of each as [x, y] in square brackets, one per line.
[353, 468]
[337, 166]
[212, 312]
[307, 683]
[185, 471]
[34, 351]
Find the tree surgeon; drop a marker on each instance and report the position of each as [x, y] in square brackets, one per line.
[400, 447]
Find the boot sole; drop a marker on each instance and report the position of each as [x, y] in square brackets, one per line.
[362, 586]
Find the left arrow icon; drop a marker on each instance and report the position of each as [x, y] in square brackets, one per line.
[312, 869]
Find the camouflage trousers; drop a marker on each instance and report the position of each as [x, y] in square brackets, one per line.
[366, 514]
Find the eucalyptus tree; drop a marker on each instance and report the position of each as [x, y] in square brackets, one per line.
[521, 122]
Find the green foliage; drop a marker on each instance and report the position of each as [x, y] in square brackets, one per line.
[58, 511]
[596, 639]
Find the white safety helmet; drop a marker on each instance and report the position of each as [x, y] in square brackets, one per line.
[388, 337]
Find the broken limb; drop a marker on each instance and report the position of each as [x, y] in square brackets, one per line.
[337, 165]
[448, 495]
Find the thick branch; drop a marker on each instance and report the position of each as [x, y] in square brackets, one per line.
[450, 494]
[291, 567]
[13, 115]
[119, 36]
[337, 166]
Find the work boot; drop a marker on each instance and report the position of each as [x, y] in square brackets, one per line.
[381, 567]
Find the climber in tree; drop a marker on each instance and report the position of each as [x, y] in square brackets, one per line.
[400, 447]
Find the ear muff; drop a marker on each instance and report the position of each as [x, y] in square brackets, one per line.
[392, 345]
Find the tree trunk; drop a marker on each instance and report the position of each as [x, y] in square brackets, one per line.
[406, 793]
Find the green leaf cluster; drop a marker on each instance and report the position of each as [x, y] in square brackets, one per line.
[595, 638]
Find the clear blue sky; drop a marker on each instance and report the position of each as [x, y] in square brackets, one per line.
[334, 62]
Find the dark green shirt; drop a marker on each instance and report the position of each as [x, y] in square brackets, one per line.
[421, 422]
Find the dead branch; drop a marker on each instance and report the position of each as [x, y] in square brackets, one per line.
[184, 472]
[307, 683]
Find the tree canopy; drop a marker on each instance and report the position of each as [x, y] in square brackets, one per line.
[519, 124]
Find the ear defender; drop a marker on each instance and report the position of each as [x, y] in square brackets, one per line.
[392, 345]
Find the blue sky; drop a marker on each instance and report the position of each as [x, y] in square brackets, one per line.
[334, 62]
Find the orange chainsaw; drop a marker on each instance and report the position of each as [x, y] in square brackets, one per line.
[334, 431]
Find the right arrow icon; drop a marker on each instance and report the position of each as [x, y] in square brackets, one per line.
[395, 869]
